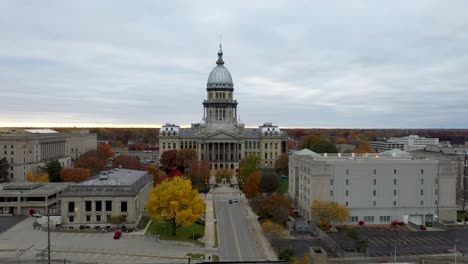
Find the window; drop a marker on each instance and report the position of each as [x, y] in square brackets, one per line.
[98, 206]
[347, 203]
[347, 182]
[347, 193]
[87, 206]
[353, 219]
[435, 202]
[394, 192]
[71, 207]
[385, 219]
[331, 192]
[98, 218]
[123, 206]
[436, 181]
[374, 203]
[375, 193]
[266, 155]
[375, 171]
[88, 218]
[394, 181]
[394, 203]
[374, 181]
[369, 219]
[394, 171]
[347, 171]
[331, 182]
[422, 181]
[436, 192]
[71, 219]
[422, 171]
[422, 192]
[421, 203]
[266, 145]
[108, 206]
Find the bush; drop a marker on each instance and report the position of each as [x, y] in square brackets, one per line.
[286, 254]
[401, 224]
[325, 226]
[395, 223]
[422, 227]
[361, 223]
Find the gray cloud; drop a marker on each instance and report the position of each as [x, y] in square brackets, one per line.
[305, 63]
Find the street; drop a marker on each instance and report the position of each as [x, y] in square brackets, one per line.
[236, 240]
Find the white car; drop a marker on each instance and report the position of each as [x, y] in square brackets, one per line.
[38, 215]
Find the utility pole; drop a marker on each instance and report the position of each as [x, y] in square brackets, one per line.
[48, 238]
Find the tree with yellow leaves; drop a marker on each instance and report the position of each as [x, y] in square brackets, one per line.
[176, 202]
[41, 177]
[328, 212]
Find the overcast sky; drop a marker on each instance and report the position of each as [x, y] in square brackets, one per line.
[370, 64]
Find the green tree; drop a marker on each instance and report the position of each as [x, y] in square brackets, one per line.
[309, 141]
[4, 166]
[282, 164]
[53, 168]
[324, 146]
[175, 202]
[247, 166]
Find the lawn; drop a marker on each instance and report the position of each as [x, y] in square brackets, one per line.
[183, 233]
[284, 184]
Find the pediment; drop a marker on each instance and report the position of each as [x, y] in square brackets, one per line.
[220, 135]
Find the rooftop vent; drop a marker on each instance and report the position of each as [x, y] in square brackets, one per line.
[103, 177]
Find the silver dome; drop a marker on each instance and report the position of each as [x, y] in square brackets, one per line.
[220, 75]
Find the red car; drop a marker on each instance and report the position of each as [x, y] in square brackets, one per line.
[117, 234]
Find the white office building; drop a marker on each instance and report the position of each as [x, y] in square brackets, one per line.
[377, 188]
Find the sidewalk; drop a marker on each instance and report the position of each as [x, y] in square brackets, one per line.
[210, 232]
[252, 220]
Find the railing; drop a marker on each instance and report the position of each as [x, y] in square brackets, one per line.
[330, 243]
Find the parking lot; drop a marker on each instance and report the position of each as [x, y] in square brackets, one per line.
[382, 241]
[8, 221]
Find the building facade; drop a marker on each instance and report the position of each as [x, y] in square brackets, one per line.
[408, 143]
[28, 150]
[116, 193]
[16, 198]
[376, 188]
[221, 138]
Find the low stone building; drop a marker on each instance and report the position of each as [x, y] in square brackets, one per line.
[111, 194]
[17, 198]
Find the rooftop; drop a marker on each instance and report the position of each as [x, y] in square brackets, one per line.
[115, 177]
[32, 188]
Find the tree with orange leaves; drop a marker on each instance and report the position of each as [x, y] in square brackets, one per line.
[40, 177]
[74, 174]
[105, 151]
[364, 147]
[251, 186]
[127, 162]
[157, 174]
[90, 161]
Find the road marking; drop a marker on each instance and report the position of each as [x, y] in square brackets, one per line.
[235, 234]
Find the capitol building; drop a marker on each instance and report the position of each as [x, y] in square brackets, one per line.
[220, 137]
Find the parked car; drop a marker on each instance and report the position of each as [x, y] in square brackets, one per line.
[230, 201]
[37, 215]
[117, 234]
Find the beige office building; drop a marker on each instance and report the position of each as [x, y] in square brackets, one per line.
[27, 150]
[119, 192]
[377, 188]
[221, 138]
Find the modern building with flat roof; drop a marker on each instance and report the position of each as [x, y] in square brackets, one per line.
[116, 193]
[17, 198]
[377, 188]
[408, 143]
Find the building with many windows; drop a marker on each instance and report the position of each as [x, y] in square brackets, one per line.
[116, 193]
[408, 143]
[29, 149]
[221, 138]
[377, 188]
[17, 198]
